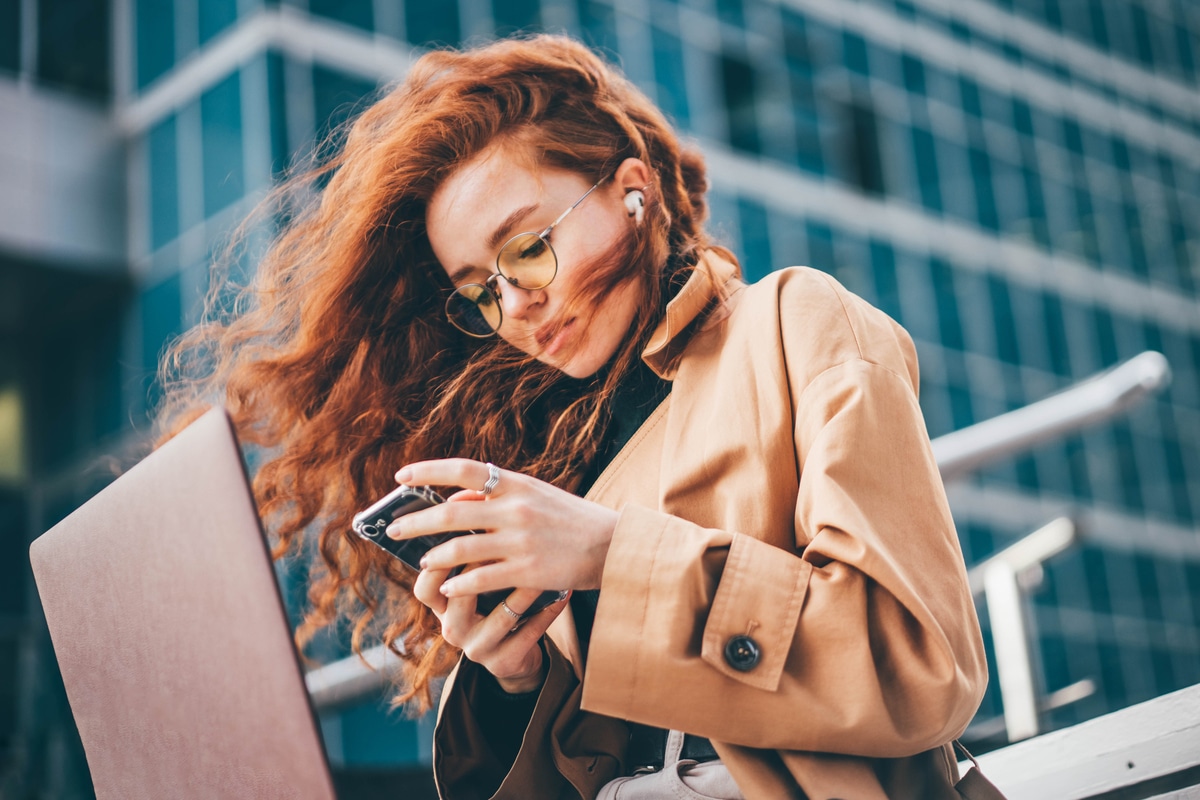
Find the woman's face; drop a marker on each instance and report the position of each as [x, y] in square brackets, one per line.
[495, 196]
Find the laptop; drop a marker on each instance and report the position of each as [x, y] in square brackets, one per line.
[171, 634]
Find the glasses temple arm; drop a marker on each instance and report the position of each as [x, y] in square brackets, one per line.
[563, 215]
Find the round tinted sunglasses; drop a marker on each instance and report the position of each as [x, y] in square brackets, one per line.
[526, 261]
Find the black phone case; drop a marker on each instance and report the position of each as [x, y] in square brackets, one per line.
[371, 524]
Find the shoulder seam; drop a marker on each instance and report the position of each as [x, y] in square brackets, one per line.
[845, 312]
[860, 360]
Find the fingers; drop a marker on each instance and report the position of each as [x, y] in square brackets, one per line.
[456, 516]
[463, 472]
[426, 589]
[480, 637]
[486, 578]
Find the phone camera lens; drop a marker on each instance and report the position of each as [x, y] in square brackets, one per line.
[370, 530]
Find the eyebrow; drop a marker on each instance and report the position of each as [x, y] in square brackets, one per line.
[498, 236]
[505, 228]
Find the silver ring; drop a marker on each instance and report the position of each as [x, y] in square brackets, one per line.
[509, 611]
[493, 480]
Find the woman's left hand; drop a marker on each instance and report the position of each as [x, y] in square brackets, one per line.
[536, 535]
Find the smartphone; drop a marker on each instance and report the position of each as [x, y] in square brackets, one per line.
[372, 522]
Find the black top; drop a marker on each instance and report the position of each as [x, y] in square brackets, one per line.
[503, 717]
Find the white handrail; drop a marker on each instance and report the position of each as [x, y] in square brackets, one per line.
[1002, 579]
[1094, 400]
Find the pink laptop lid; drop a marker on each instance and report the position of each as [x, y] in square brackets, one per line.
[171, 635]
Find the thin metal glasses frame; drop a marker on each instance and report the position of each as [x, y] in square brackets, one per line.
[487, 285]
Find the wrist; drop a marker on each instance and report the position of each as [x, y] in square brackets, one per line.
[526, 683]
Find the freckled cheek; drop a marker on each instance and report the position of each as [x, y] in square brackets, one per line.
[518, 337]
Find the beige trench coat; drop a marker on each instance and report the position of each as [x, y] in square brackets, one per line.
[786, 491]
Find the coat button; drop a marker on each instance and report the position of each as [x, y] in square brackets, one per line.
[742, 653]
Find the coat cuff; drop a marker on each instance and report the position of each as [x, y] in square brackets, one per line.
[759, 598]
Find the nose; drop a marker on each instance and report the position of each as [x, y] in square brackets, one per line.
[515, 300]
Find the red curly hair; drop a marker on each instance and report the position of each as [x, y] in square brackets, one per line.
[338, 361]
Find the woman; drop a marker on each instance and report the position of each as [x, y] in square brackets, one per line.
[508, 266]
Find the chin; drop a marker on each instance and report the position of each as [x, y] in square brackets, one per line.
[579, 368]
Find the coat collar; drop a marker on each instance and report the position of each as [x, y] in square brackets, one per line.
[715, 278]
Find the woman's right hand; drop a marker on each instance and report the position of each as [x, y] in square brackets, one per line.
[508, 650]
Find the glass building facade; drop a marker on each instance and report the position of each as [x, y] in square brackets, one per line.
[1017, 182]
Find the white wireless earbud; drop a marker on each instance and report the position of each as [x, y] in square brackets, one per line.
[635, 202]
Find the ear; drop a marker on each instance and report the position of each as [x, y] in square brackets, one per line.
[632, 174]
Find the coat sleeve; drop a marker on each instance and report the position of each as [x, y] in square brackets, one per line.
[868, 642]
[563, 754]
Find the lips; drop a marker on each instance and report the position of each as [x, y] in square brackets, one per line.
[551, 337]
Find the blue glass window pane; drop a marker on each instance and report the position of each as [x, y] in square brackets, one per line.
[1075, 455]
[1054, 662]
[73, 45]
[1176, 470]
[1127, 467]
[162, 321]
[221, 142]
[1112, 681]
[356, 13]
[1100, 26]
[1097, 577]
[511, 16]
[1072, 136]
[985, 194]
[670, 75]
[819, 237]
[739, 85]
[10, 36]
[162, 176]
[949, 324]
[1056, 334]
[862, 160]
[756, 239]
[374, 738]
[1083, 240]
[960, 199]
[935, 405]
[281, 151]
[971, 102]
[731, 11]
[432, 24]
[1192, 571]
[914, 74]
[1035, 201]
[216, 16]
[854, 53]
[883, 270]
[155, 24]
[943, 86]
[885, 63]
[1002, 316]
[599, 25]
[1132, 229]
[1183, 43]
[925, 159]
[106, 370]
[1105, 337]
[996, 107]
[796, 50]
[1022, 117]
[961, 401]
[1147, 578]
[337, 97]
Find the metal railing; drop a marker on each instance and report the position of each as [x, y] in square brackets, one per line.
[1002, 579]
[1096, 399]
